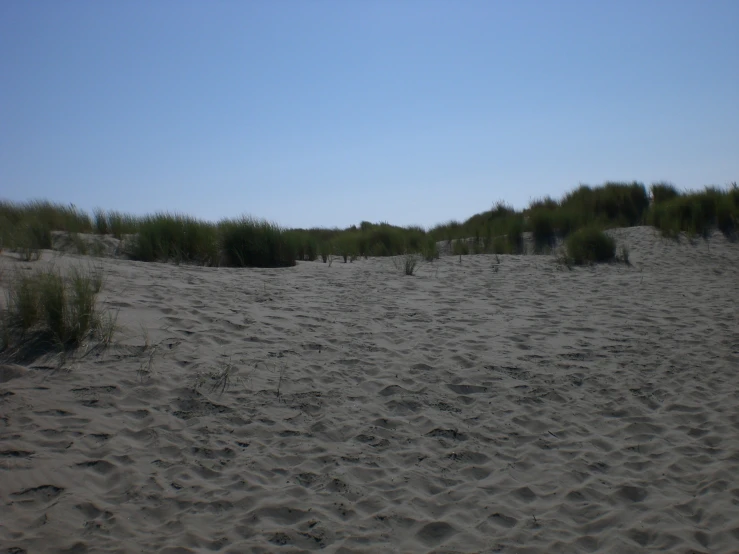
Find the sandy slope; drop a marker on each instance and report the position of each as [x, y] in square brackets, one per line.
[459, 410]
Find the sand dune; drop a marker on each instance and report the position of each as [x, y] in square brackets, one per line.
[528, 409]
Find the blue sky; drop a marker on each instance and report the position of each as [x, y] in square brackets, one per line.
[327, 113]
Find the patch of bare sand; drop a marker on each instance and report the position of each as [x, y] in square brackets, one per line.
[460, 410]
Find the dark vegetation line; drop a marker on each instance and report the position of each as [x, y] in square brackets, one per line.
[247, 242]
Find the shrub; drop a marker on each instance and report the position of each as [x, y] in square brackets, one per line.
[590, 245]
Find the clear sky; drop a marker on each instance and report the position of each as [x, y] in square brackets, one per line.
[327, 113]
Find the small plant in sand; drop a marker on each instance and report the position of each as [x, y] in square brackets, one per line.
[106, 327]
[407, 263]
[623, 255]
[280, 379]
[219, 379]
[222, 378]
[146, 368]
[562, 260]
[57, 311]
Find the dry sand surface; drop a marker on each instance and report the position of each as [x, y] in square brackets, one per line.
[463, 409]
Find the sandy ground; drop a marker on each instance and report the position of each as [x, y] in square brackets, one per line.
[464, 409]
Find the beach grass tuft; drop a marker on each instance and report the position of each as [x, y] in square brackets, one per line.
[590, 245]
[55, 310]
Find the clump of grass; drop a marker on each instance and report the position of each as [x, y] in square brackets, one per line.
[697, 214]
[106, 327]
[100, 220]
[542, 226]
[460, 247]
[407, 263]
[346, 246]
[430, 250]
[29, 238]
[58, 311]
[249, 242]
[590, 245]
[663, 192]
[114, 223]
[177, 238]
[221, 379]
[306, 245]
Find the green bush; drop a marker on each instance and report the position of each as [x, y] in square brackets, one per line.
[590, 245]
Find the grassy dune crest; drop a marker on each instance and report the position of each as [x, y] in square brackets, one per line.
[26, 228]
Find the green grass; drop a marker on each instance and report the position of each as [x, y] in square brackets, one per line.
[25, 228]
[663, 192]
[407, 263]
[176, 238]
[590, 245]
[249, 242]
[53, 310]
[698, 214]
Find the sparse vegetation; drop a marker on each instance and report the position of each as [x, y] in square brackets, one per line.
[220, 380]
[407, 263]
[623, 255]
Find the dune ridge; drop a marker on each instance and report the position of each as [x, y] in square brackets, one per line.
[521, 409]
